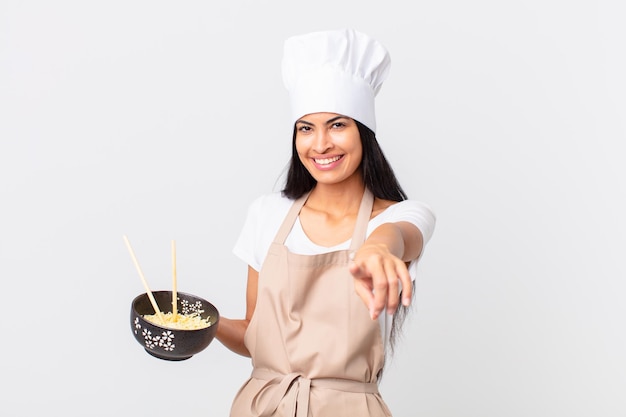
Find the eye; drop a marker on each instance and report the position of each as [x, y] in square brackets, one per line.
[304, 128]
[338, 125]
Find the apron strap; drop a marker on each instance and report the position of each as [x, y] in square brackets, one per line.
[296, 389]
[362, 220]
[290, 219]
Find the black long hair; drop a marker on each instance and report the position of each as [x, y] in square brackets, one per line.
[378, 177]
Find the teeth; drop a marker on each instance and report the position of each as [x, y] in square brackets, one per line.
[327, 161]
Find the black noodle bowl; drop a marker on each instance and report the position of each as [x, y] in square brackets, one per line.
[172, 344]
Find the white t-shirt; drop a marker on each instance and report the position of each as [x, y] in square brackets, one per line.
[267, 212]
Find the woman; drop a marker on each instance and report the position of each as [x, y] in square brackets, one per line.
[331, 259]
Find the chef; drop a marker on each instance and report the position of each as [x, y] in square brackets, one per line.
[332, 258]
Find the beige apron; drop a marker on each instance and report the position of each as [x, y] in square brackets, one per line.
[315, 350]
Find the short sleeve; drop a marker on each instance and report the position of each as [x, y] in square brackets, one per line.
[263, 219]
[417, 213]
[412, 211]
[244, 246]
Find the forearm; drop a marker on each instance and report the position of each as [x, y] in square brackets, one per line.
[231, 332]
[402, 240]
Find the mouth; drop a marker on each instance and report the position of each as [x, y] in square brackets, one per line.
[327, 161]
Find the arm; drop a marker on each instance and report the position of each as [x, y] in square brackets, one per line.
[230, 332]
[380, 265]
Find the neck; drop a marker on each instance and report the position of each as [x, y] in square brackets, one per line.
[336, 200]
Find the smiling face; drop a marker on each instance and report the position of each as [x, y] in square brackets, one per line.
[329, 147]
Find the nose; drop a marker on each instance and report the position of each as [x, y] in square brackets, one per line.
[322, 141]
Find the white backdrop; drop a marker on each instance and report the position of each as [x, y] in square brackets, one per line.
[162, 120]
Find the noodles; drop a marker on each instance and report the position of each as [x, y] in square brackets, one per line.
[191, 321]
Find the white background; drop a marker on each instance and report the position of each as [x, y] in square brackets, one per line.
[162, 120]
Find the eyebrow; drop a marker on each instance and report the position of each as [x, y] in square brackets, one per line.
[330, 121]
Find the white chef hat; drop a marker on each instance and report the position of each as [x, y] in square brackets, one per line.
[337, 71]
